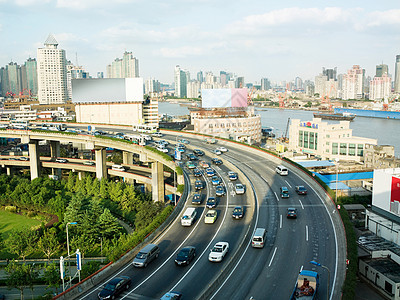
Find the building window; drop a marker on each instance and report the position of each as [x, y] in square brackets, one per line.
[305, 139]
[334, 148]
[343, 149]
[352, 149]
[360, 150]
[328, 136]
[316, 141]
[301, 138]
[311, 140]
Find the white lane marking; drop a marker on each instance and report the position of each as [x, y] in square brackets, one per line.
[272, 258]
[288, 183]
[277, 198]
[264, 179]
[280, 225]
[248, 165]
[306, 233]
[301, 269]
[301, 204]
[208, 246]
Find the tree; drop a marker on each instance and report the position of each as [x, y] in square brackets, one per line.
[48, 242]
[148, 210]
[108, 225]
[20, 241]
[21, 276]
[71, 182]
[51, 275]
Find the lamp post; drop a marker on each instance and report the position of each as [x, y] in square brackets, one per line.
[337, 177]
[329, 275]
[70, 223]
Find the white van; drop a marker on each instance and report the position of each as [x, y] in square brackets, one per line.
[146, 137]
[188, 216]
[258, 239]
[281, 170]
[118, 168]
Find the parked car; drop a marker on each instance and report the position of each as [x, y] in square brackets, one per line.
[301, 190]
[196, 199]
[218, 252]
[185, 256]
[220, 191]
[232, 175]
[291, 213]
[238, 212]
[239, 189]
[210, 216]
[211, 202]
[114, 287]
[284, 192]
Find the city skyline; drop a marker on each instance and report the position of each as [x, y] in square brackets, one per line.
[279, 42]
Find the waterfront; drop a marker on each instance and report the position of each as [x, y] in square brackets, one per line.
[384, 130]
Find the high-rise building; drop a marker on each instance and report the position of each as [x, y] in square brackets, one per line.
[52, 73]
[330, 73]
[100, 75]
[397, 75]
[381, 69]
[200, 76]
[31, 76]
[193, 89]
[380, 87]
[127, 67]
[74, 72]
[180, 82]
[11, 79]
[223, 78]
[298, 83]
[265, 84]
[353, 83]
[240, 82]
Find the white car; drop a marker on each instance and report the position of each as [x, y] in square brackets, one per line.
[157, 134]
[162, 149]
[61, 160]
[239, 189]
[217, 152]
[222, 149]
[218, 252]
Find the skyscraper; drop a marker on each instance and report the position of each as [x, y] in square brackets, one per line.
[180, 82]
[265, 84]
[353, 83]
[397, 75]
[30, 67]
[52, 73]
[381, 69]
[200, 77]
[127, 67]
[330, 73]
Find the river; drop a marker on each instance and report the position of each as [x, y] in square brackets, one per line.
[386, 131]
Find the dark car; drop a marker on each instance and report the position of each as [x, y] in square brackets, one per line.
[211, 202]
[238, 212]
[191, 156]
[220, 191]
[198, 185]
[196, 199]
[114, 287]
[215, 180]
[232, 175]
[216, 161]
[197, 172]
[172, 295]
[291, 213]
[301, 190]
[198, 152]
[185, 256]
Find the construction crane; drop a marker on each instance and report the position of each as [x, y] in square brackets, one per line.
[386, 103]
[282, 99]
[285, 137]
[23, 95]
[326, 99]
[250, 96]
[10, 95]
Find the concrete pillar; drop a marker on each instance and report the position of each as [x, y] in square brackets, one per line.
[147, 187]
[143, 157]
[80, 175]
[127, 158]
[101, 167]
[9, 171]
[157, 181]
[34, 159]
[54, 153]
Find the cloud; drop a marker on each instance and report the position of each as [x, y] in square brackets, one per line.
[86, 4]
[381, 18]
[31, 2]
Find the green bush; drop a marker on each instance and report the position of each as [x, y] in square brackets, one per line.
[10, 208]
[180, 188]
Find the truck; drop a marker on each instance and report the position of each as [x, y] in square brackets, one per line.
[306, 286]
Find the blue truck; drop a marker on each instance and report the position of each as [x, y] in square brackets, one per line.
[306, 286]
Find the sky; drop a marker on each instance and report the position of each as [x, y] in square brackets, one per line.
[279, 40]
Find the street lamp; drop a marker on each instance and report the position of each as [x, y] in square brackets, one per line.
[329, 275]
[70, 223]
[337, 177]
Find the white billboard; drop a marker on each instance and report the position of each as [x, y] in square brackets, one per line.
[223, 98]
[95, 90]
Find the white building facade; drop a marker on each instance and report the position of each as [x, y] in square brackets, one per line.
[380, 87]
[52, 73]
[353, 83]
[127, 67]
[327, 141]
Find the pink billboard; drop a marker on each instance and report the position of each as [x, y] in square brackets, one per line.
[239, 97]
[223, 98]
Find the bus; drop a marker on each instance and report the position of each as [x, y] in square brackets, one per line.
[54, 126]
[19, 124]
[145, 128]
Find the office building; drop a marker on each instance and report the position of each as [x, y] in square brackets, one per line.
[397, 75]
[29, 71]
[10, 79]
[380, 87]
[330, 73]
[240, 83]
[200, 76]
[353, 83]
[127, 67]
[193, 89]
[180, 82]
[223, 78]
[326, 87]
[152, 86]
[265, 84]
[381, 69]
[52, 73]
[100, 75]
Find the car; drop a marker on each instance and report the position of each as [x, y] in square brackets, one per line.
[198, 185]
[191, 156]
[215, 180]
[190, 165]
[210, 172]
[220, 191]
[198, 152]
[211, 202]
[196, 172]
[216, 161]
[284, 192]
[89, 163]
[163, 142]
[185, 256]
[291, 213]
[210, 216]
[217, 152]
[162, 149]
[157, 134]
[204, 164]
[222, 149]
[301, 190]
[239, 189]
[23, 158]
[218, 252]
[232, 175]
[183, 141]
[180, 145]
[180, 149]
[114, 287]
[61, 160]
[238, 212]
[172, 295]
[196, 199]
